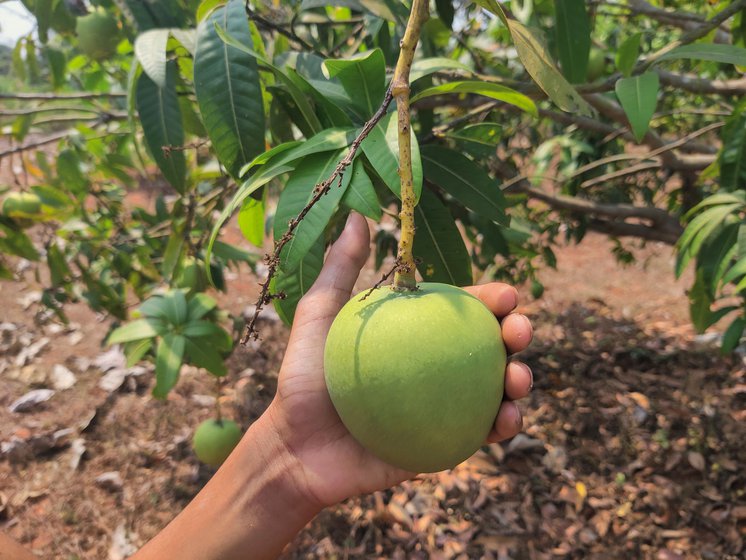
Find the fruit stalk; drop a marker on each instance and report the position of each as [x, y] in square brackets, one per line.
[404, 278]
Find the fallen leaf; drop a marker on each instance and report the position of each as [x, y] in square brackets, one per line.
[31, 399]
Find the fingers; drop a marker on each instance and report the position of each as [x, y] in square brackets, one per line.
[507, 424]
[499, 298]
[519, 380]
[342, 266]
[517, 332]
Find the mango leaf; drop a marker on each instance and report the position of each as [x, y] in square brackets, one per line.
[732, 335]
[251, 221]
[573, 39]
[161, 122]
[229, 93]
[486, 89]
[427, 66]
[465, 181]
[325, 141]
[43, 13]
[134, 351]
[360, 194]
[295, 284]
[175, 305]
[298, 191]
[477, 139]
[168, 360]
[363, 77]
[199, 305]
[57, 66]
[629, 51]
[534, 56]
[136, 330]
[638, 96]
[438, 245]
[699, 230]
[203, 355]
[381, 147]
[732, 157]
[311, 121]
[699, 305]
[150, 50]
[716, 254]
[390, 10]
[726, 54]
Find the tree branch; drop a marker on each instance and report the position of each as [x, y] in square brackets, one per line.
[682, 20]
[59, 96]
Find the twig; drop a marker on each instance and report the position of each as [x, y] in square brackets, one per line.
[36, 144]
[273, 260]
[384, 277]
[58, 96]
[191, 146]
[289, 33]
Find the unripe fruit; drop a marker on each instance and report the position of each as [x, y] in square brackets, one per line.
[596, 64]
[21, 205]
[214, 440]
[416, 377]
[98, 34]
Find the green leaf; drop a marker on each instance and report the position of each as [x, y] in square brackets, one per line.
[629, 51]
[206, 7]
[573, 39]
[363, 77]
[465, 181]
[136, 330]
[325, 141]
[204, 356]
[176, 307]
[136, 349]
[478, 139]
[168, 360]
[19, 67]
[726, 54]
[486, 89]
[732, 157]
[43, 13]
[311, 121]
[201, 328]
[229, 93]
[251, 221]
[738, 270]
[57, 66]
[161, 122]
[296, 283]
[150, 50]
[699, 230]
[295, 196]
[172, 254]
[699, 305]
[381, 147]
[69, 172]
[17, 243]
[199, 305]
[716, 254]
[732, 335]
[445, 11]
[438, 245]
[638, 96]
[534, 56]
[427, 66]
[360, 194]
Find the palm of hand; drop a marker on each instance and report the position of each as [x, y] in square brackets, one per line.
[334, 464]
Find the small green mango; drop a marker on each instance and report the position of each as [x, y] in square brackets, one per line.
[416, 377]
[98, 34]
[214, 440]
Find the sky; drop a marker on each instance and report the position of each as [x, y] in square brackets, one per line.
[15, 22]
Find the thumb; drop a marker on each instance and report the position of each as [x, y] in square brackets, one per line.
[334, 285]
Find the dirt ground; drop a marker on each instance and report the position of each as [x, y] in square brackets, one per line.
[633, 446]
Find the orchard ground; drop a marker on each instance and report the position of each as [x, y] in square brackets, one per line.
[633, 446]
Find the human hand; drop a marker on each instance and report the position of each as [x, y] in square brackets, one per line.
[331, 464]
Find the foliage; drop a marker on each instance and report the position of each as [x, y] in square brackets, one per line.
[526, 118]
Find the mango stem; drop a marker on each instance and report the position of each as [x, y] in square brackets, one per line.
[404, 279]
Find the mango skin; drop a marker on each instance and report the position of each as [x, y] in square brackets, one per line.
[416, 377]
[214, 440]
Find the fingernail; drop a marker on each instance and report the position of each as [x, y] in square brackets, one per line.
[349, 220]
[531, 376]
[509, 298]
[519, 418]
